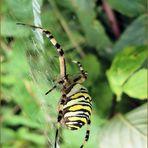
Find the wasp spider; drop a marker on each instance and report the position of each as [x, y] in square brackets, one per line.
[75, 103]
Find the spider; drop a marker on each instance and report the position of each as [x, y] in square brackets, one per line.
[75, 104]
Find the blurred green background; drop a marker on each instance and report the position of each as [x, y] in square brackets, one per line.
[108, 37]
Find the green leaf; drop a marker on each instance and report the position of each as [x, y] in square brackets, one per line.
[102, 98]
[125, 63]
[17, 70]
[130, 8]
[9, 28]
[21, 10]
[126, 131]
[93, 29]
[20, 120]
[135, 34]
[136, 86]
[8, 135]
[30, 136]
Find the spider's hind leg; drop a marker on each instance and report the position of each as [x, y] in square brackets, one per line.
[87, 134]
[60, 116]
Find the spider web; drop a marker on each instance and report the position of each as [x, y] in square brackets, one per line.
[44, 71]
[44, 67]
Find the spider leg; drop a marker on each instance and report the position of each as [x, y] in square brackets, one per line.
[87, 133]
[60, 115]
[57, 129]
[83, 74]
[59, 82]
[55, 44]
[50, 90]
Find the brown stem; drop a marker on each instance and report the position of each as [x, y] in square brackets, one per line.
[112, 19]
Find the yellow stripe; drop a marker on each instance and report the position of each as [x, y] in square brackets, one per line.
[78, 107]
[80, 94]
[78, 118]
[73, 102]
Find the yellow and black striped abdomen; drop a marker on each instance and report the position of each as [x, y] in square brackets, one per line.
[77, 109]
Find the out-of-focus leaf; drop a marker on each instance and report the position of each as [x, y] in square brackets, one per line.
[20, 120]
[124, 65]
[17, 69]
[135, 34]
[128, 131]
[9, 28]
[136, 86]
[30, 136]
[93, 30]
[66, 4]
[8, 135]
[21, 137]
[102, 98]
[130, 8]
[92, 66]
[21, 10]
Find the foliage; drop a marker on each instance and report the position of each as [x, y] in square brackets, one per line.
[120, 72]
[131, 127]
[116, 67]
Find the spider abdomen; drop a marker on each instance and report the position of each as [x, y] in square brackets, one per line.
[77, 110]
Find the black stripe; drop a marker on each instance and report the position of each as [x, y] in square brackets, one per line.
[72, 128]
[88, 122]
[83, 116]
[59, 116]
[87, 135]
[61, 52]
[88, 98]
[83, 88]
[57, 45]
[81, 102]
[82, 96]
[67, 108]
[77, 123]
[70, 98]
[78, 93]
[55, 144]
[80, 115]
[84, 101]
[46, 31]
[77, 78]
[51, 37]
[83, 110]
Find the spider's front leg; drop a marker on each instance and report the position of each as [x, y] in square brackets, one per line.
[62, 81]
